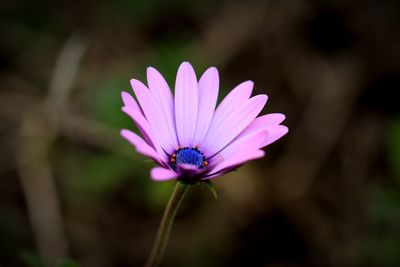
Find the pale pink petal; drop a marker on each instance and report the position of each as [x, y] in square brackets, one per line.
[235, 162]
[266, 122]
[263, 122]
[162, 174]
[238, 94]
[164, 101]
[141, 146]
[144, 128]
[251, 142]
[186, 104]
[208, 94]
[275, 132]
[245, 148]
[129, 101]
[231, 102]
[234, 123]
[187, 170]
[153, 116]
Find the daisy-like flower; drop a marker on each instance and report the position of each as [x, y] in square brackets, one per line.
[187, 135]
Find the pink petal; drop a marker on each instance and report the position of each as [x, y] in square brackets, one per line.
[235, 162]
[251, 142]
[266, 122]
[129, 101]
[153, 116]
[141, 146]
[208, 94]
[187, 170]
[240, 151]
[229, 104]
[275, 132]
[162, 174]
[234, 123]
[238, 94]
[245, 145]
[232, 101]
[186, 104]
[144, 128]
[163, 99]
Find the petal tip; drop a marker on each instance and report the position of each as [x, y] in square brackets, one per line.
[285, 129]
[262, 98]
[249, 83]
[135, 82]
[124, 132]
[213, 69]
[186, 65]
[160, 174]
[151, 71]
[125, 96]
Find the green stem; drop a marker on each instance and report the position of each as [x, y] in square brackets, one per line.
[166, 224]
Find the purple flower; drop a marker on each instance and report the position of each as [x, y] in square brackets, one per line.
[187, 136]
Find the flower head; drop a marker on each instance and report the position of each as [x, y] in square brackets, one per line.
[187, 135]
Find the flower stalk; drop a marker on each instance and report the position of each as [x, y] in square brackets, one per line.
[167, 221]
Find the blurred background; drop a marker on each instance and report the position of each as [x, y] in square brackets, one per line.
[73, 193]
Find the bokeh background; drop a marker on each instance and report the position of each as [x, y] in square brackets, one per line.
[73, 193]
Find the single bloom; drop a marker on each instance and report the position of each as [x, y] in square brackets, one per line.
[188, 135]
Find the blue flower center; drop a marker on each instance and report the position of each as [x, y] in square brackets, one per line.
[188, 155]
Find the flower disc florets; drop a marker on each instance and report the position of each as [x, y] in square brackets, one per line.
[188, 156]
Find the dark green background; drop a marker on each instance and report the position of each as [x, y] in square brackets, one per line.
[327, 194]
